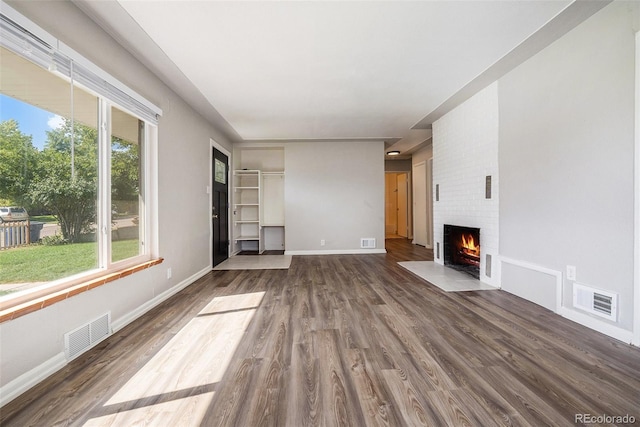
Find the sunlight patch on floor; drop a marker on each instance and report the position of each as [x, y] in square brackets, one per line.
[194, 359]
[233, 303]
[188, 411]
[255, 262]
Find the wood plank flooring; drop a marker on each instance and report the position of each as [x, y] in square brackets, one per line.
[339, 341]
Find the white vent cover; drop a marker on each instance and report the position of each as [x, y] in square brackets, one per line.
[369, 243]
[595, 301]
[86, 336]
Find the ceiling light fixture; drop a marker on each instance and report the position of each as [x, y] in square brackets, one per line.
[393, 153]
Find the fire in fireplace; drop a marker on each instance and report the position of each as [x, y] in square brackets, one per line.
[462, 249]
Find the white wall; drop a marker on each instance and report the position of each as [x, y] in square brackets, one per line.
[334, 191]
[265, 157]
[397, 165]
[465, 151]
[566, 160]
[33, 343]
[422, 155]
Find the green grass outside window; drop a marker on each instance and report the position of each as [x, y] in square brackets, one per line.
[39, 263]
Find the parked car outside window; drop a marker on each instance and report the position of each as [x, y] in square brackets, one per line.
[11, 213]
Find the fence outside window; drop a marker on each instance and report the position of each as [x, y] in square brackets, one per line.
[14, 234]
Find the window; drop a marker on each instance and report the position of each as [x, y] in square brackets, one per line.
[74, 154]
[127, 143]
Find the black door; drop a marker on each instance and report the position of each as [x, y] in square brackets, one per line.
[220, 209]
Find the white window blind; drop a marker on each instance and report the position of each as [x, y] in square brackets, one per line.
[26, 39]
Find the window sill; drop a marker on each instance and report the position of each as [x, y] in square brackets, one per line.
[36, 304]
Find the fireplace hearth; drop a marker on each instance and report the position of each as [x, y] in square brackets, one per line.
[462, 249]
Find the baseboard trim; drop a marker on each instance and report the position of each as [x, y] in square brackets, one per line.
[598, 325]
[338, 252]
[24, 382]
[130, 317]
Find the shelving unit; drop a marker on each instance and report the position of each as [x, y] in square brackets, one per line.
[246, 212]
[258, 198]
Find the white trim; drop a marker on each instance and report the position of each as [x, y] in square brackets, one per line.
[151, 191]
[540, 269]
[597, 325]
[222, 149]
[430, 227]
[210, 205]
[413, 204]
[24, 382]
[636, 239]
[139, 311]
[213, 144]
[338, 252]
[104, 184]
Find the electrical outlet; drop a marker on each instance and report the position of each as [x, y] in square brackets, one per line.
[169, 273]
[322, 242]
[571, 272]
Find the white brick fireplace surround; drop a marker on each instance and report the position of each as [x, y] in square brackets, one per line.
[465, 153]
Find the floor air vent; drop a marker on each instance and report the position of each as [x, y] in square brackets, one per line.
[595, 301]
[86, 336]
[368, 243]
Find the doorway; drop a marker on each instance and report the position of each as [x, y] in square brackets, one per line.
[220, 206]
[420, 205]
[397, 210]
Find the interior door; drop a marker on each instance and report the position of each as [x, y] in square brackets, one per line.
[391, 204]
[403, 220]
[420, 233]
[220, 208]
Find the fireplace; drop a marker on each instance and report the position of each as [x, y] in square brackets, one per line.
[462, 249]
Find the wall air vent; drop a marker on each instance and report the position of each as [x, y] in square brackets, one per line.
[595, 301]
[86, 336]
[369, 243]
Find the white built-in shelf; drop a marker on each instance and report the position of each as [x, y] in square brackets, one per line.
[258, 178]
[247, 207]
[247, 238]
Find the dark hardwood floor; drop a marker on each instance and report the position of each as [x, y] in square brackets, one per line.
[339, 340]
